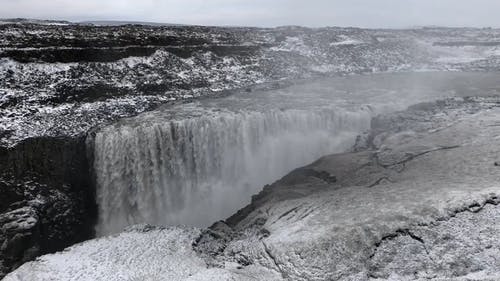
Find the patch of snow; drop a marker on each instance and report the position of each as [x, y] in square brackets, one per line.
[294, 44]
[346, 41]
[140, 253]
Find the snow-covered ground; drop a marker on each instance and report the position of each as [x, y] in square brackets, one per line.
[416, 200]
[199, 162]
[59, 83]
[63, 80]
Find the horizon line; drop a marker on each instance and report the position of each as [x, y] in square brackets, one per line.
[160, 23]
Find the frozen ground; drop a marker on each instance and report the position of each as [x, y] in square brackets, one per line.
[59, 80]
[62, 80]
[195, 163]
[417, 199]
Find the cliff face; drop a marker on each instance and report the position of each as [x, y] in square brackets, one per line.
[417, 199]
[47, 198]
[59, 82]
[64, 80]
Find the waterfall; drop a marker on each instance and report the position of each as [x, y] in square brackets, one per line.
[198, 169]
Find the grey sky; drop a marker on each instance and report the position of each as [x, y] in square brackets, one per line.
[363, 13]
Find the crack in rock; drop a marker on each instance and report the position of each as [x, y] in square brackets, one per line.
[473, 208]
[275, 261]
[379, 181]
[288, 212]
[396, 234]
[411, 157]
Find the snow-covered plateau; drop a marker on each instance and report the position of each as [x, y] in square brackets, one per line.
[60, 80]
[416, 199]
[144, 128]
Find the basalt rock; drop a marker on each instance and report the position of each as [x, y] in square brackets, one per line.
[432, 217]
[47, 199]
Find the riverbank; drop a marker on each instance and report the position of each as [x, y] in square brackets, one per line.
[416, 199]
[59, 84]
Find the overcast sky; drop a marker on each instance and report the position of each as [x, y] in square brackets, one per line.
[362, 13]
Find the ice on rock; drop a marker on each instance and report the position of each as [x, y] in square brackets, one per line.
[430, 214]
[216, 59]
[416, 200]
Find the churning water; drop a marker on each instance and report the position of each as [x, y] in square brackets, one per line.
[197, 163]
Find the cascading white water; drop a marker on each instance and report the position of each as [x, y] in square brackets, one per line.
[200, 162]
[198, 169]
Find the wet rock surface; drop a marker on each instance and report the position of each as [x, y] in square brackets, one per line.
[420, 204]
[57, 82]
[47, 199]
[62, 80]
[43, 221]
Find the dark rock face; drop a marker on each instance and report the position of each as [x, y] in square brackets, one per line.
[458, 244]
[335, 219]
[47, 200]
[58, 82]
[76, 55]
[68, 79]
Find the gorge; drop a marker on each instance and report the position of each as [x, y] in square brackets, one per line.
[191, 143]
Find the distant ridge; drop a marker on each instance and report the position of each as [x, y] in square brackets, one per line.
[97, 23]
[118, 23]
[35, 21]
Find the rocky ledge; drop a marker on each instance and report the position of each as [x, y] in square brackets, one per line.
[47, 200]
[59, 80]
[416, 199]
[62, 80]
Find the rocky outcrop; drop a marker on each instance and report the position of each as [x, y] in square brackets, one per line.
[421, 203]
[49, 199]
[57, 82]
[69, 78]
[465, 245]
[412, 195]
